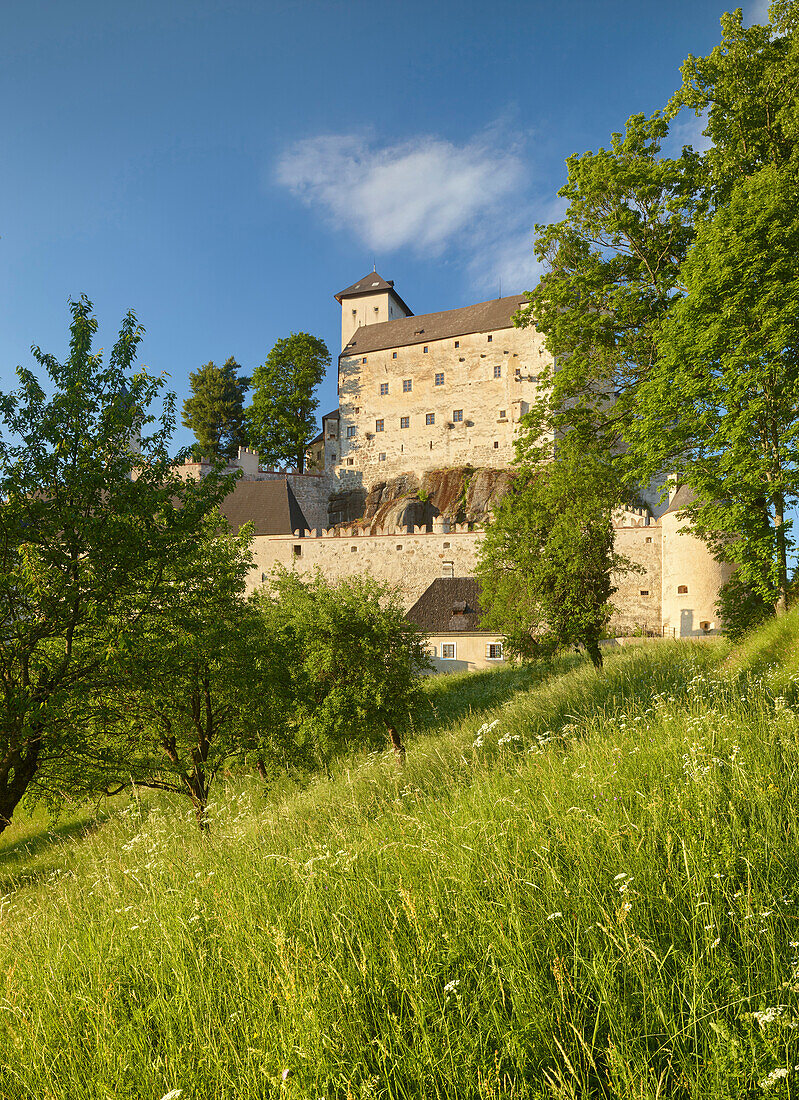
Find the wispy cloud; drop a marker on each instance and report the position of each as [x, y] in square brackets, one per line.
[426, 194]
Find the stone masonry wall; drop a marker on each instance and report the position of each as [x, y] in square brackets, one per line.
[637, 602]
[408, 561]
[491, 382]
[411, 560]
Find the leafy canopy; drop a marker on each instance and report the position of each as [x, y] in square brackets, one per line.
[96, 533]
[281, 420]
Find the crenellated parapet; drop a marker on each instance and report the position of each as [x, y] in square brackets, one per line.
[439, 526]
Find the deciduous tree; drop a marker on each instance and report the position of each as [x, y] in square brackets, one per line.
[547, 561]
[352, 660]
[91, 514]
[281, 421]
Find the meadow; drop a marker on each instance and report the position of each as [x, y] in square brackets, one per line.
[578, 886]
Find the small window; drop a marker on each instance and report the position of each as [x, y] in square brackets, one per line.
[377, 309]
[496, 444]
[399, 546]
[448, 569]
[502, 414]
[682, 589]
[649, 538]
[393, 355]
[380, 425]
[494, 651]
[407, 385]
[457, 343]
[497, 371]
[383, 389]
[490, 338]
[381, 457]
[355, 313]
[446, 546]
[425, 349]
[351, 431]
[350, 461]
[297, 550]
[430, 418]
[405, 422]
[364, 359]
[644, 591]
[457, 416]
[353, 549]
[431, 651]
[448, 651]
[440, 379]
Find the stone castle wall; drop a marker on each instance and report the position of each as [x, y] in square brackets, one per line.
[411, 559]
[490, 379]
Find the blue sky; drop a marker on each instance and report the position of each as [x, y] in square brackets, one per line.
[224, 167]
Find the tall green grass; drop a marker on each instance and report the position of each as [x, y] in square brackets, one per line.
[577, 887]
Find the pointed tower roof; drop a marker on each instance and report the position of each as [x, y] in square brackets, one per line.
[372, 283]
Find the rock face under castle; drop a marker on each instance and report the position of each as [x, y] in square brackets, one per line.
[406, 470]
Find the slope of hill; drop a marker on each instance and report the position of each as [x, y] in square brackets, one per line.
[586, 888]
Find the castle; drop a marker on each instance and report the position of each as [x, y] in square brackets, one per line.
[407, 467]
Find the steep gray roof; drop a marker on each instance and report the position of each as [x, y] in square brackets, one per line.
[482, 317]
[371, 284]
[448, 604]
[270, 505]
[681, 499]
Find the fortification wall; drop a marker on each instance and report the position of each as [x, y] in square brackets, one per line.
[409, 560]
[637, 603]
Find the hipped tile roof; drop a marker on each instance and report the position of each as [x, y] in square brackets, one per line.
[449, 604]
[482, 317]
[270, 505]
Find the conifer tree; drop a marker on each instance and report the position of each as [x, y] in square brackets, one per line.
[215, 411]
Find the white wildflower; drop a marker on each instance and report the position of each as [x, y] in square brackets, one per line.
[622, 874]
[554, 916]
[773, 1077]
[173, 1095]
[769, 1015]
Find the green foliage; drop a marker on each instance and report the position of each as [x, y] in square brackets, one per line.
[91, 512]
[546, 560]
[351, 660]
[192, 691]
[215, 410]
[613, 269]
[670, 299]
[722, 411]
[594, 898]
[280, 420]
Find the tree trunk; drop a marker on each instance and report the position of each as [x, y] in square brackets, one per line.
[594, 651]
[262, 770]
[399, 748]
[17, 770]
[781, 606]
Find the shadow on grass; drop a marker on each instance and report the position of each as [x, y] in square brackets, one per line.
[38, 855]
[458, 695]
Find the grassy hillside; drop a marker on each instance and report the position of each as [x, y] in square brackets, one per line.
[578, 887]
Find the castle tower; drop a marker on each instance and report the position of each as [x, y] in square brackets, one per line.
[369, 301]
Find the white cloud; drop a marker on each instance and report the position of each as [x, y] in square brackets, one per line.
[420, 193]
[426, 194]
[756, 11]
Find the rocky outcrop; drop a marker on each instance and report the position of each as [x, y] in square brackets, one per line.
[460, 494]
